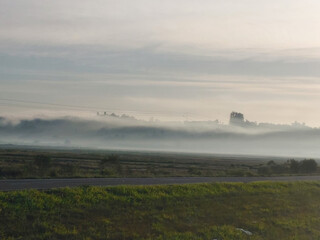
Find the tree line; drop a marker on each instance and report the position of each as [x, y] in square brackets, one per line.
[291, 166]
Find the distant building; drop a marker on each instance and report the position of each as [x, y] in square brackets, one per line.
[236, 118]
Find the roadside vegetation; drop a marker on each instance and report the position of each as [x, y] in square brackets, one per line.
[292, 166]
[16, 163]
[169, 212]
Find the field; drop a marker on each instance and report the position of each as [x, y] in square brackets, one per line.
[49, 163]
[171, 212]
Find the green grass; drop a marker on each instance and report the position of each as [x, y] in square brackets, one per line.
[198, 211]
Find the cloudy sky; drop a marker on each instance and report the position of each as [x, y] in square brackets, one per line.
[168, 59]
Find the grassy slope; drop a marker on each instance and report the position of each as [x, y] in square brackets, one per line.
[200, 211]
[21, 163]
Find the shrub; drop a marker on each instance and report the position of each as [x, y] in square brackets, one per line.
[264, 170]
[11, 172]
[110, 159]
[42, 161]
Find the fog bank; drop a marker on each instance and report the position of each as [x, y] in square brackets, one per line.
[124, 132]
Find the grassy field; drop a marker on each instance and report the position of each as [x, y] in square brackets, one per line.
[27, 163]
[172, 212]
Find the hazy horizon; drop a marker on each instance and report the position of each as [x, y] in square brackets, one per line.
[128, 133]
[175, 62]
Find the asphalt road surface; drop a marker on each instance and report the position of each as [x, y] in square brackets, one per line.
[20, 184]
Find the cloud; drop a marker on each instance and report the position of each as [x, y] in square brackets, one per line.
[212, 25]
[151, 61]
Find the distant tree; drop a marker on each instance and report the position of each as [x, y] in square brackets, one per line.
[308, 166]
[271, 163]
[305, 166]
[236, 118]
[294, 165]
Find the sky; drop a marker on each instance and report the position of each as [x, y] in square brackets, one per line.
[168, 59]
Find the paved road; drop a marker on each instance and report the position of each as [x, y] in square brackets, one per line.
[10, 185]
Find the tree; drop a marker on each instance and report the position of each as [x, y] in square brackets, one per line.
[236, 118]
[294, 165]
[305, 166]
[308, 166]
[271, 163]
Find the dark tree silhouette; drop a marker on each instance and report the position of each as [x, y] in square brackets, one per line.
[294, 165]
[308, 166]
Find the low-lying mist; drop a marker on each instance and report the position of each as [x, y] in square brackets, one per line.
[124, 132]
